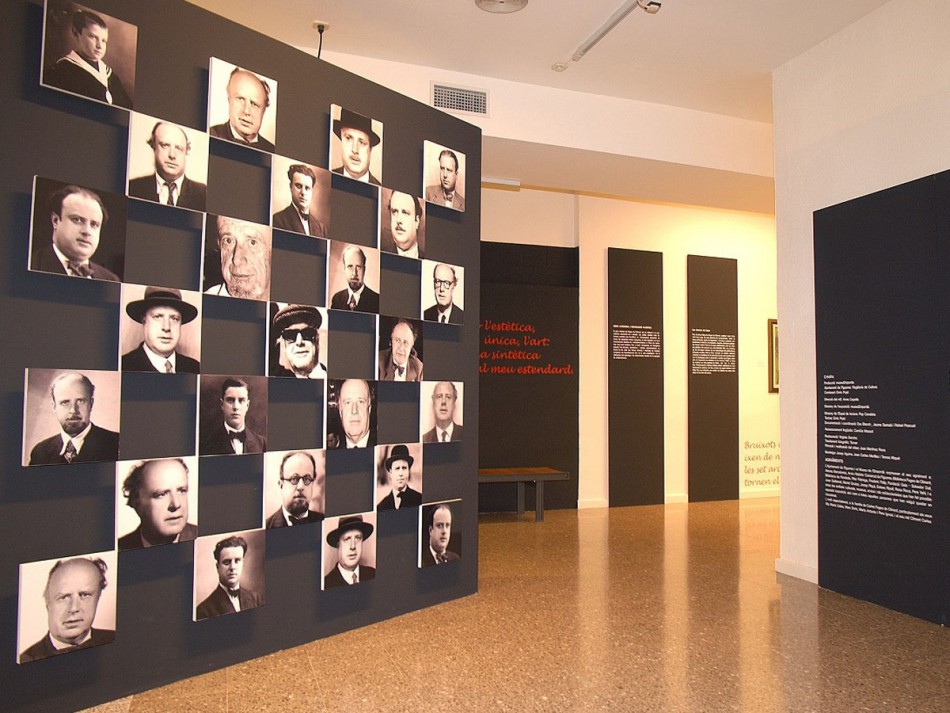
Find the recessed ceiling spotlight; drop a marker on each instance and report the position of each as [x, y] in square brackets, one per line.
[501, 6]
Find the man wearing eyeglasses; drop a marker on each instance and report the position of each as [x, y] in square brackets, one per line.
[297, 342]
[444, 281]
[298, 482]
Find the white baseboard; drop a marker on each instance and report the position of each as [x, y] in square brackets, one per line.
[797, 570]
[676, 498]
[592, 504]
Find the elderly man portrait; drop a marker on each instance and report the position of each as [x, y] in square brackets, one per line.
[295, 340]
[248, 99]
[244, 249]
[228, 433]
[301, 215]
[401, 223]
[400, 361]
[354, 404]
[438, 521]
[161, 313]
[72, 594]
[83, 70]
[348, 539]
[167, 183]
[446, 191]
[398, 465]
[77, 216]
[72, 397]
[357, 295]
[301, 491]
[444, 402]
[229, 596]
[357, 143]
[444, 282]
[157, 490]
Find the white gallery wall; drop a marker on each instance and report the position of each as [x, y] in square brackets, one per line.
[865, 110]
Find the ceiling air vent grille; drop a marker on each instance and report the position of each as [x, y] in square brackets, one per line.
[460, 99]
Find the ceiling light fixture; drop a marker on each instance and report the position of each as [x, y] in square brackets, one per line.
[501, 7]
[651, 7]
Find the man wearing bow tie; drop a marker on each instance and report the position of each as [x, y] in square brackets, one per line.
[229, 596]
[233, 435]
[300, 488]
[400, 362]
[399, 467]
[440, 534]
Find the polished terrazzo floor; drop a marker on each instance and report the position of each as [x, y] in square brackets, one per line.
[672, 609]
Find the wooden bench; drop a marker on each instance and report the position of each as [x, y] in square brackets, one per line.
[538, 476]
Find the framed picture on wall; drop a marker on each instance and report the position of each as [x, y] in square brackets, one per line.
[773, 356]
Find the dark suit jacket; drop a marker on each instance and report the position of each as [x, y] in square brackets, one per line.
[218, 602]
[335, 579]
[216, 441]
[410, 499]
[372, 179]
[368, 302]
[277, 519]
[193, 194]
[66, 75]
[434, 195]
[100, 445]
[337, 439]
[44, 647]
[387, 370]
[133, 541]
[456, 317]
[433, 435]
[45, 260]
[288, 219]
[223, 131]
[428, 560]
[137, 360]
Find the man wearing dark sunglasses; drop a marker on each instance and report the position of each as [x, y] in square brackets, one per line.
[296, 342]
[301, 489]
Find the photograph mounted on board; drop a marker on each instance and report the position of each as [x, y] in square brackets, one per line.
[156, 502]
[402, 224]
[440, 535]
[440, 411]
[232, 415]
[443, 292]
[229, 573]
[237, 260]
[298, 341]
[168, 163]
[353, 272]
[356, 146]
[294, 488]
[351, 413]
[300, 197]
[399, 476]
[400, 349]
[159, 330]
[349, 550]
[242, 106]
[444, 176]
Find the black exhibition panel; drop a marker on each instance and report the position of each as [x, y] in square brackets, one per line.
[881, 319]
[55, 322]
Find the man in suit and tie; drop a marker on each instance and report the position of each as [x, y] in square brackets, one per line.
[401, 234]
[232, 436]
[169, 185]
[248, 99]
[355, 407]
[357, 140]
[348, 539]
[77, 216]
[357, 296]
[399, 467]
[161, 312]
[298, 479]
[399, 361]
[229, 596]
[444, 281]
[158, 492]
[444, 399]
[79, 439]
[446, 193]
[299, 217]
[439, 523]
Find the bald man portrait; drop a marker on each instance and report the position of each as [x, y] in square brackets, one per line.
[168, 184]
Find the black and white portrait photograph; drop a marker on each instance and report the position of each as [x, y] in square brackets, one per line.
[77, 231]
[402, 224]
[237, 258]
[232, 415]
[349, 550]
[294, 487]
[229, 573]
[159, 329]
[156, 502]
[356, 145]
[440, 411]
[300, 197]
[400, 349]
[443, 292]
[440, 534]
[242, 106]
[443, 176]
[168, 163]
[66, 604]
[353, 277]
[88, 53]
[298, 341]
[351, 413]
[70, 416]
[399, 476]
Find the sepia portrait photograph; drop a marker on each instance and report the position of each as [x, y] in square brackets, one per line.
[237, 258]
[297, 344]
[242, 106]
[168, 163]
[440, 411]
[351, 413]
[443, 176]
[77, 231]
[400, 349]
[402, 224]
[443, 292]
[440, 535]
[70, 416]
[229, 573]
[156, 502]
[159, 329]
[300, 197]
[66, 604]
[349, 550]
[356, 145]
[294, 483]
[399, 476]
[353, 277]
[88, 53]
[232, 415]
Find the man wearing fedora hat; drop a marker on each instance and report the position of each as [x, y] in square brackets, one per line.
[348, 538]
[161, 312]
[297, 342]
[399, 467]
[357, 140]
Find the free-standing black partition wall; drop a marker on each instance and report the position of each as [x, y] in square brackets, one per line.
[64, 323]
